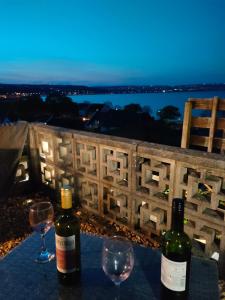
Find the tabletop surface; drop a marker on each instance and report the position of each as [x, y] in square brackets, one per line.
[22, 278]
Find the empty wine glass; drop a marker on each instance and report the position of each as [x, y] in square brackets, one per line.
[41, 218]
[117, 259]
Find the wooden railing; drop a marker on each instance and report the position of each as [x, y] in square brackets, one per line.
[214, 140]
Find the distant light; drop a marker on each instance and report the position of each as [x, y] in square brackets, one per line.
[85, 119]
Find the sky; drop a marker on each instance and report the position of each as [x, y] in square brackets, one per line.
[112, 42]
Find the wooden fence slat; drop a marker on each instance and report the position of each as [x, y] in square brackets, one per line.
[202, 103]
[221, 104]
[220, 123]
[206, 103]
[200, 122]
[213, 124]
[186, 125]
[218, 142]
[198, 140]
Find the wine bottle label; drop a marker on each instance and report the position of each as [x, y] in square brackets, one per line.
[65, 253]
[173, 274]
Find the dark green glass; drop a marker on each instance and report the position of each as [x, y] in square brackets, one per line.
[67, 229]
[176, 257]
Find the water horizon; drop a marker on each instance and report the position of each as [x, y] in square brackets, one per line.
[155, 101]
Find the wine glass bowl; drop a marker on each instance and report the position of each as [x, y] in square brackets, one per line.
[117, 258]
[41, 217]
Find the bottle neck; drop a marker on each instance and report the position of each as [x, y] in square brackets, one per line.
[66, 199]
[178, 221]
[67, 211]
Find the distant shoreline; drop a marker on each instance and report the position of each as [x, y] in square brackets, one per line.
[74, 90]
[155, 101]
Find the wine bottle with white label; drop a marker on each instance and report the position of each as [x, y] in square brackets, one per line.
[67, 240]
[176, 257]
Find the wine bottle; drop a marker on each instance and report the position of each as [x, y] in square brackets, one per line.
[176, 256]
[67, 239]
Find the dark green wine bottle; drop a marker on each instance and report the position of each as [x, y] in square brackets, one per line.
[67, 238]
[176, 257]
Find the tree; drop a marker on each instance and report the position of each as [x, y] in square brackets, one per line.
[134, 107]
[147, 109]
[108, 104]
[169, 112]
[28, 106]
[57, 103]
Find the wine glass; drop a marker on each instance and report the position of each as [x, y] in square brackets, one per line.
[41, 216]
[117, 259]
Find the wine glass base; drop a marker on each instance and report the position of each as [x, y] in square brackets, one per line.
[44, 257]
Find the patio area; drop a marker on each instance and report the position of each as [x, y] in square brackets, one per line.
[122, 186]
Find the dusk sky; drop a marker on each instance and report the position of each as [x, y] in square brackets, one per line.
[112, 42]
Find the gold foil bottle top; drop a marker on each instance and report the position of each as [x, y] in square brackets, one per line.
[66, 197]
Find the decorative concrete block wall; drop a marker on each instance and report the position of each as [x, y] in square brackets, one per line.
[132, 182]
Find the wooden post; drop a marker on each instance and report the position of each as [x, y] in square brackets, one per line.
[213, 124]
[186, 125]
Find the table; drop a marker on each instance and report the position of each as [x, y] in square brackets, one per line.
[22, 278]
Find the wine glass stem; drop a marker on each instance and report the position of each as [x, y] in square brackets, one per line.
[117, 291]
[43, 247]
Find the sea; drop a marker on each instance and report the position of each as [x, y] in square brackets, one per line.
[155, 101]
